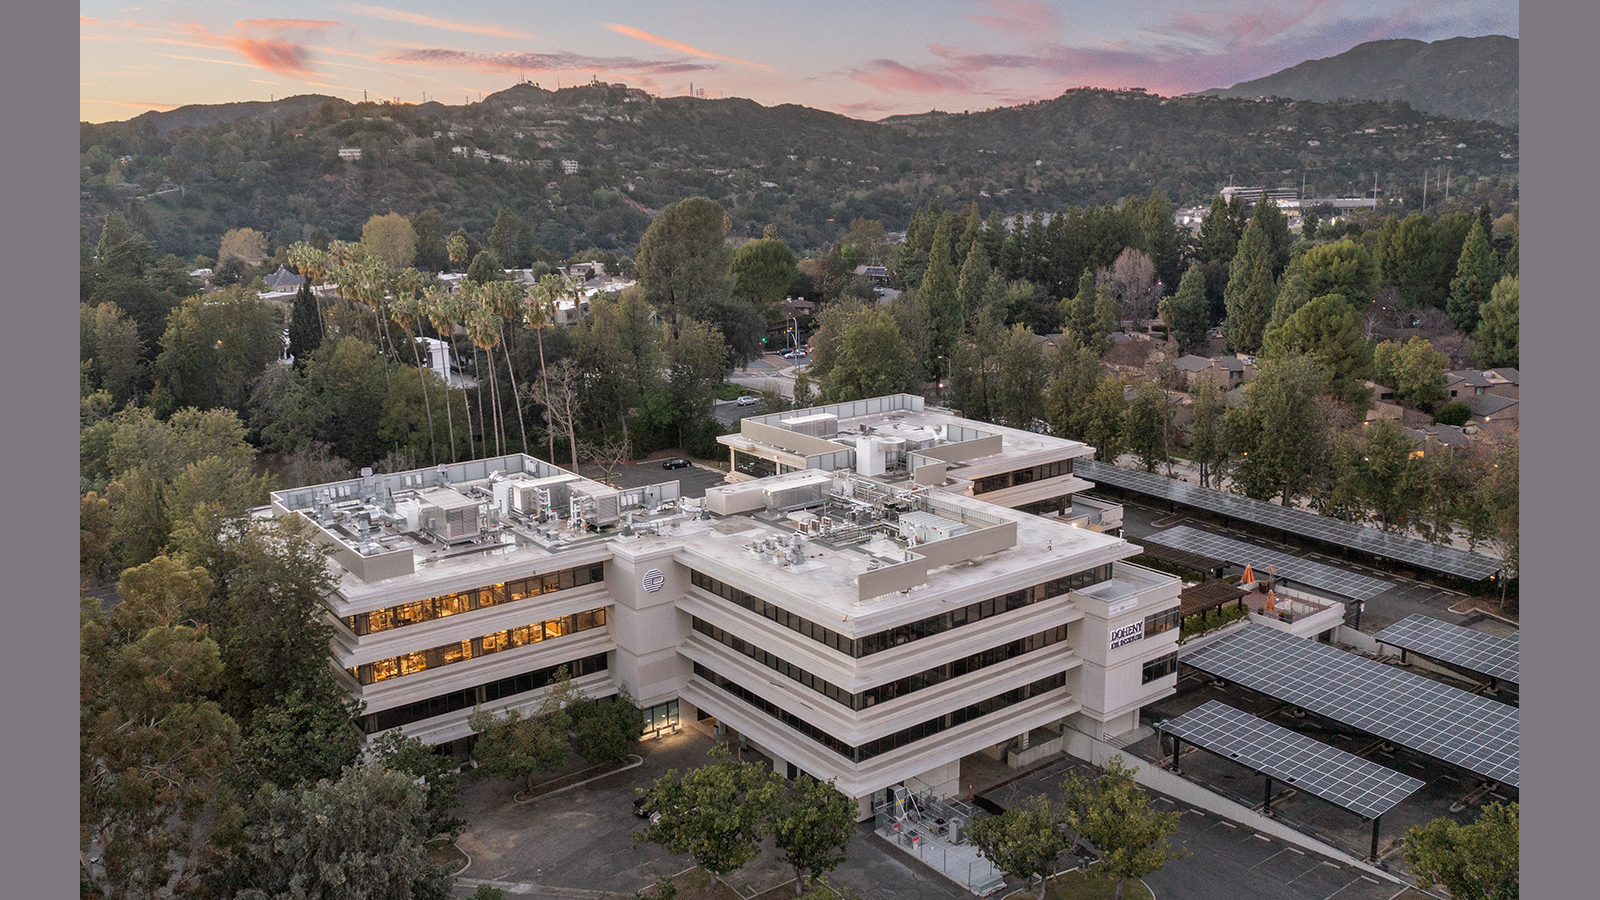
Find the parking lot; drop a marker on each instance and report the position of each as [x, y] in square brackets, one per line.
[693, 480]
[1226, 861]
[579, 844]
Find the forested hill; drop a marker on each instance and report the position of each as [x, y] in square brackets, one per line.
[275, 167]
[1464, 78]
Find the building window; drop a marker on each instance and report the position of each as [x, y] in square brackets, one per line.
[1160, 667]
[461, 651]
[888, 742]
[752, 465]
[476, 598]
[1166, 620]
[890, 690]
[903, 634]
[472, 696]
[661, 718]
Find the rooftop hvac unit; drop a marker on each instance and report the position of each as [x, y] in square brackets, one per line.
[526, 494]
[820, 425]
[927, 527]
[449, 516]
[596, 503]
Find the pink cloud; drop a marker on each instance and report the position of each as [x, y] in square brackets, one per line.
[670, 44]
[891, 77]
[410, 18]
[279, 54]
[1027, 17]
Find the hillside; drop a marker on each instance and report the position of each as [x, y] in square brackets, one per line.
[1463, 78]
[276, 167]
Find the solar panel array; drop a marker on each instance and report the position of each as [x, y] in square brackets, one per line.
[1496, 657]
[1423, 554]
[1301, 571]
[1461, 728]
[1361, 786]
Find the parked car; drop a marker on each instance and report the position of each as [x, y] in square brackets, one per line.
[676, 463]
[786, 354]
[747, 400]
[641, 808]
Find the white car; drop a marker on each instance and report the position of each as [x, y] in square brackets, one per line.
[747, 400]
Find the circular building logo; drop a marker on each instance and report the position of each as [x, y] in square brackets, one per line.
[653, 580]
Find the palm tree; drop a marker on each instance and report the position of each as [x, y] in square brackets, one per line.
[539, 312]
[440, 311]
[484, 330]
[313, 264]
[409, 286]
[506, 299]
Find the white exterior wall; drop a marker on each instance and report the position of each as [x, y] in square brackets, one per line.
[1110, 681]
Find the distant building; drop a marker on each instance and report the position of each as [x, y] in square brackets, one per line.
[350, 153]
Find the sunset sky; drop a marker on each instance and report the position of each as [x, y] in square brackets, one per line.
[866, 59]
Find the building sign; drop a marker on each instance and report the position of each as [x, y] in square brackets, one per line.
[1122, 607]
[1127, 634]
[653, 580]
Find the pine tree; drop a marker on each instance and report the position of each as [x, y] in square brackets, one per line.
[1250, 292]
[1185, 311]
[305, 328]
[939, 305]
[974, 281]
[1475, 278]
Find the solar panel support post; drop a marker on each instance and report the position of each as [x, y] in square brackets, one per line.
[1374, 854]
[1266, 802]
[1177, 749]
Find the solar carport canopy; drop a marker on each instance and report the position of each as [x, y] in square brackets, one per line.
[1363, 787]
[1446, 723]
[1411, 551]
[1339, 582]
[1497, 657]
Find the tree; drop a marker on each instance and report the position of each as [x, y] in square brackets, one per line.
[1414, 369]
[152, 746]
[1147, 425]
[973, 287]
[307, 735]
[762, 272]
[213, 349]
[1250, 293]
[1477, 861]
[1113, 820]
[1220, 231]
[1161, 239]
[1392, 483]
[1342, 267]
[305, 325]
[520, 744]
[1496, 342]
[507, 237]
[860, 352]
[1475, 279]
[1185, 312]
[360, 837]
[603, 731]
[1453, 413]
[244, 244]
[390, 238]
[1022, 378]
[109, 349]
[714, 813]
[1024, 842]
[485, 267]
[1278, 434]
[1102, 419]
[438, 772]
[697, 364]
[1078, 313]
[683, 256]
[939, 307]
[1134, 284]
[811, 824]
[1328, 329]
[1206, 445]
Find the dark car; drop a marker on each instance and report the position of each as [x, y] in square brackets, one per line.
[676, 463]
[643, 809]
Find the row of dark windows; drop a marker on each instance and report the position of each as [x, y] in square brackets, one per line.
[476, 598]
[487, 692]
[891, 741]
[1021, 476]
[1166, 620]
[752, 465]
[1160, 667]
[903, 634]
[461, 651]
[889, 691]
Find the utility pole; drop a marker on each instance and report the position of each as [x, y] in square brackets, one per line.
[1424, 190]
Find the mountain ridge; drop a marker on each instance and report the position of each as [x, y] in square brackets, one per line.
[1460, 78]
